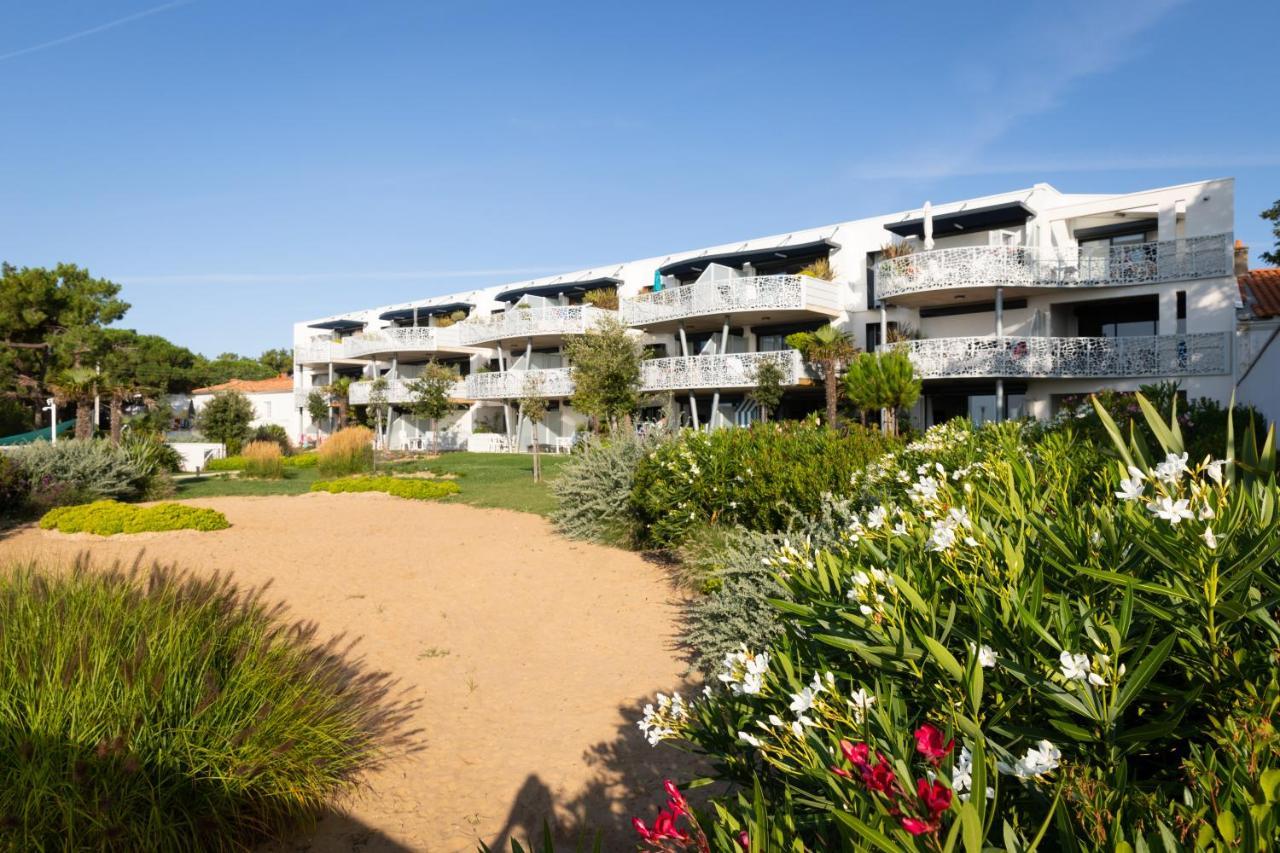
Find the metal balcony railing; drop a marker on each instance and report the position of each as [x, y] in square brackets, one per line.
[1067, 358]
[751, 293]
[529, 322]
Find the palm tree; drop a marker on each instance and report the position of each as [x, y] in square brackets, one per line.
[827, 349]
[77, 385]
[339, 397]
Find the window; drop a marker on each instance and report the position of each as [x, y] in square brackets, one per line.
[871, 282]
[1182, 312]
[873, 335]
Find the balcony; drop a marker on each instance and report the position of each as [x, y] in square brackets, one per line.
[914, 278]
[397, 391]
[760, 298]
[386, 342]
[1072, 358]
[546, 323]
[513, 384]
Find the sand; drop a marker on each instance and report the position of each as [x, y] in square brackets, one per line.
[531, 654]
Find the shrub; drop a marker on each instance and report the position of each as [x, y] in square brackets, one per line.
[154, 460]
[76, 471]
[274, 433]
[1083, 646]
[347, 451]
[757, 478]
[414, 488]
[15, 486]
[107, 518]
[158, 711]
[308, 459]
[263, 459]
[594, 489]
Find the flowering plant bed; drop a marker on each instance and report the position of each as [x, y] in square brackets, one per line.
[1030, 648]
[107, 518]
[414, 488]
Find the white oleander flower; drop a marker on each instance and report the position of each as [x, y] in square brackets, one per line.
[877, 517]
[1170, 510]
[749, 739]
[1039, 760]
[942, 536]
[1074, 667]
[1214, 470]
[924, 490]
[1209, 539]
[986, 655]
[962, 776]
[744, 672]
[861, 701]
[1206, 512]
[1172, 468]
[1130, 489]
[899, 529]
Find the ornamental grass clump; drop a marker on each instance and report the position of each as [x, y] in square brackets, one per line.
[107, 518]
[413, 488]
[153, 710]
[1033, 649]
[263, 459]
[347, 451]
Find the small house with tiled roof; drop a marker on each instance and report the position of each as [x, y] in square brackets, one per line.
[272, 399]
[1258, 377]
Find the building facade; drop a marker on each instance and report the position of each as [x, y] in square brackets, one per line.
[1007, 304]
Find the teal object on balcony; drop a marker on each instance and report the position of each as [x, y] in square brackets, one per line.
[657, 281]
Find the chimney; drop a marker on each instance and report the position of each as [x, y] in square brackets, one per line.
[1242, 258]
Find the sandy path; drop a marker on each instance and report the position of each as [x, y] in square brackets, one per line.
[531, 654]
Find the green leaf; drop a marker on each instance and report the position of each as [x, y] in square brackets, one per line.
[971, 824]
[1117, 439]
[913, 597]
[1227, 826]
[875, 837]
[944, 658]
[1146, 669]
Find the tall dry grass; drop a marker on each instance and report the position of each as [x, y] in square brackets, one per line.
[347, 451]
[263, 459]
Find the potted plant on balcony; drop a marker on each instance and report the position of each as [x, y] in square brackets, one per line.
[901, 253]
[820, 269]
[606, 298]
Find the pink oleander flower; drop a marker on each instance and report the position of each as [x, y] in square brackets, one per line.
[929, 743]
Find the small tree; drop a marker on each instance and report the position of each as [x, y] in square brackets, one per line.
[340, 398]
[768, 391]
[379, 408]
[279, 360]
[606, 372]
[533, 406]
[885, 381]
[828, 349]
[318, 409]
[226, 419]
[430, 397]
[1272, 215]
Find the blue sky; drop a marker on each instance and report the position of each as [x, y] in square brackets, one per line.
[238, 165]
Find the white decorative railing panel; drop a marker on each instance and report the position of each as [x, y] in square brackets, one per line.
[529, 322]
[512, 384]
[393, 339]
[752, 293]
[735, 370]
[397, 391]
[1029, 266]
[1064, 358]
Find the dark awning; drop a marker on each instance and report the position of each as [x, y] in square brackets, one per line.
[973, 219]
[557, 288]
[338, 325]
[425, 311]
[797, 253]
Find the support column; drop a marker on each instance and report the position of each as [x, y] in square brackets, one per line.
[395, 367]
[999, 334]
[506, 406]
[684, 351]
[884, 326]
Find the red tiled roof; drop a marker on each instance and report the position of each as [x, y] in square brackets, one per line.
[275, 385]
[1260, 291]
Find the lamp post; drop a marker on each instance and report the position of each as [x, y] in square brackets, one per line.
[51, 406]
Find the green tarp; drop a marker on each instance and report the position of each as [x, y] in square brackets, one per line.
[37, 434]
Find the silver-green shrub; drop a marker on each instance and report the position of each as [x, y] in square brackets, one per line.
[594, 489]
[78, 471]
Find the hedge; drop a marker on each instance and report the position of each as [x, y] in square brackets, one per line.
[107, 518]
[401, 487]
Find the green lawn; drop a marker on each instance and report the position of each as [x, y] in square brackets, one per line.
[499, 480]
[295, 482]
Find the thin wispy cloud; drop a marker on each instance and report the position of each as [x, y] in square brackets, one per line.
[109, 25]
[337, 277]
[1067, 50]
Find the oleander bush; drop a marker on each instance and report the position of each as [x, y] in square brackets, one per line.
[758, 477]
[153, 710]
[594, 490]
[263, 459]
[75, 471]
[1033, 649]
[347, 451]
[107, 518]
[414, 488]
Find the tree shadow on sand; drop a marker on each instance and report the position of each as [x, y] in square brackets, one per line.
[626, 782]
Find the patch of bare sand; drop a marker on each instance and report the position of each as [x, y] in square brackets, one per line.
[532, 654]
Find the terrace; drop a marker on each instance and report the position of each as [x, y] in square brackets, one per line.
[751, 299]
[544, 324]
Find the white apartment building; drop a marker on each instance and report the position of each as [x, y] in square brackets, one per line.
[1007, 303]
